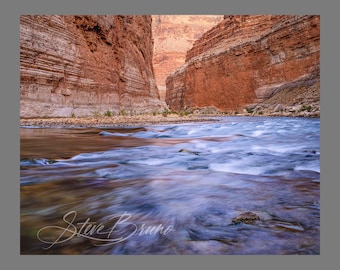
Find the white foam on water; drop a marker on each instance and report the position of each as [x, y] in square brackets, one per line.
[32, 127]
[116, 134]
[239, 167]
[193, 131]
[153, 161]
[106, 172]
[277, 148]
[257, 133]
[309, 166]
[199, 145]
[147, 134]
[96, 155]
[282, 131]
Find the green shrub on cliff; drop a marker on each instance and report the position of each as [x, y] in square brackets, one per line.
[108, 113]
[122, 112]
[249, 110]
[166, 112]
[306, 108]
[184, 113]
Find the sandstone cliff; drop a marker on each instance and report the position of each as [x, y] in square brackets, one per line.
[173, 36]
[86, 65]
[245, 60]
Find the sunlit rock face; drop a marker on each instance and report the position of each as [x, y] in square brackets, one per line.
[85, 65]
[246, 60]
[173, 36]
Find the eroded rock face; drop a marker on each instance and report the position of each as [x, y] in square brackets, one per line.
[246, 60]
[173, 36]
[85, 65]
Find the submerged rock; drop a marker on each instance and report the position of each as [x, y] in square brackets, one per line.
[188, 151]
[246, 217]
[37, 161]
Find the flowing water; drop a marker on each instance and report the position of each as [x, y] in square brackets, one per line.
[172, 189]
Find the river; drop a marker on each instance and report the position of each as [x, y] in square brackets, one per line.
[172, 189]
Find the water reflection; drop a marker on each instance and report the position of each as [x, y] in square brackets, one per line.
[269, 166]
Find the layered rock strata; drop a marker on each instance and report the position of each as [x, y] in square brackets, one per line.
[246, 60]
[86, 65]
[173, 36]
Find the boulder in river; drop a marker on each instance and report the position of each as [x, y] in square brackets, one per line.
[246, 217]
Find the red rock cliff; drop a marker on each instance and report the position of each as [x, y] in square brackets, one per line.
[245, 60]
[86, 65]
[173, 36]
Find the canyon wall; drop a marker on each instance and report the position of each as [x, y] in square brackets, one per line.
[86, 65]
[245, 60]
[173, 36]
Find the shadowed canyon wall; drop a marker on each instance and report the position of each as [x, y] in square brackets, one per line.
[173, 36]
[85, 65]
[245, 60]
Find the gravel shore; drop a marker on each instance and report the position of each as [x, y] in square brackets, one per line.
[112, 121]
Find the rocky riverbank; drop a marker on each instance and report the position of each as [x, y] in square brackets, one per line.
[301, 101]
[103, 121]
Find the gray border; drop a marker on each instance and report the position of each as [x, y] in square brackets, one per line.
[10, 149]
